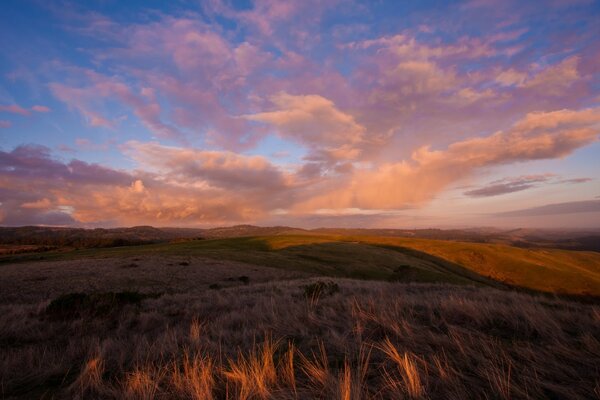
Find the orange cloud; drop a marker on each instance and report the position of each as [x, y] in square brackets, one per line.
[554, 79]
[186, 186]
[217, 169]
[316, 122]
[409, 183]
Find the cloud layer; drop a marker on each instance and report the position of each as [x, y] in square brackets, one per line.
[217, 114]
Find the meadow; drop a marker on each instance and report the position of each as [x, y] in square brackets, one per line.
[301, 317]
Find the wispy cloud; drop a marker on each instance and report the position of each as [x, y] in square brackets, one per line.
[510, 185]
[573, 207]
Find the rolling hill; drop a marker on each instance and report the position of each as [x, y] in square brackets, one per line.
[385, 258]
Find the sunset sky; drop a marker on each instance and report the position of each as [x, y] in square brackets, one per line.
[305, 113]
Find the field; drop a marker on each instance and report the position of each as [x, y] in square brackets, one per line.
[301, 316]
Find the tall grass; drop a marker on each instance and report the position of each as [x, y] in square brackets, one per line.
[268, 341]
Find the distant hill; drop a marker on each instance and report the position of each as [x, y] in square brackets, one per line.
[251, 230]
[79, 237]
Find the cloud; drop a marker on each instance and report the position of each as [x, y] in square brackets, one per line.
[138, 186]
[18, 217]
[315, 122]
[573, 207]
[40, 109]
[395, 185]
[38, 204]
[508, 185]
[100, 88]
[35, 162]
[220, 169]
[186, 186]
[5, 124]
[15, 109]
[511, 77]
[576, 180]
[39, 189]
[554, 79]
[271, 18]
[372, 122]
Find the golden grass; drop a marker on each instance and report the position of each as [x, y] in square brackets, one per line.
[407, 368]
[195, 379]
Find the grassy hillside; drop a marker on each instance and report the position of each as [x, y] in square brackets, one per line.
[204, 319]
[550, 270]
[387, 258]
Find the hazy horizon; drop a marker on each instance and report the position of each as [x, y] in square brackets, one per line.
[344, 114]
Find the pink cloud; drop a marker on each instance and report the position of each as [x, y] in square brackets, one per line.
[40, 109]
[5, 124]
[184, 186]
[556, 78]
[38, 204]
[101, 88]
[40, 189]
[220, 169]
[15, 109]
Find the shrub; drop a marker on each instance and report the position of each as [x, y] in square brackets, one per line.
[404, 273]
[244, 279]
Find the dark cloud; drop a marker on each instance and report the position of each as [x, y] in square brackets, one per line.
[35, 162]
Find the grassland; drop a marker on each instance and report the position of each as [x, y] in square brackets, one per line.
[300, 317]
[384, 258]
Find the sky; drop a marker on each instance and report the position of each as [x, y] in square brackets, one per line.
[341, 113]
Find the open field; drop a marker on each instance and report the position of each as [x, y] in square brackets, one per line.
[300, 317]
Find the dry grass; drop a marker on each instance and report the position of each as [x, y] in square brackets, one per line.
[36, 281]
[371, 340]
